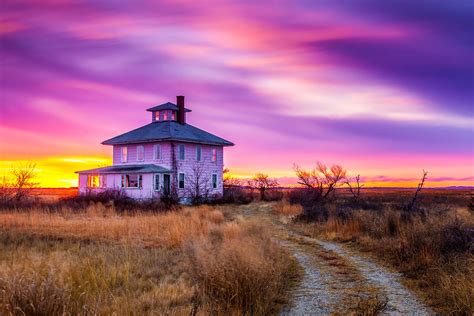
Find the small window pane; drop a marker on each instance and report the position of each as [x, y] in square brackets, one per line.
[181, 180]
[198, 152]
[214, 181]
[157, 152]
[181, 152]
[214, 155]
[157, 182]
[133, 181]
[140, 153]
[124, 154]
[157, 115]
[93, 182]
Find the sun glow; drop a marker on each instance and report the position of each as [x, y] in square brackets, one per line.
[56, 172]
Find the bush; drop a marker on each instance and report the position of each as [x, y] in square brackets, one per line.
[240, 269]
[235, 195]
[116, 199]
[273, 195]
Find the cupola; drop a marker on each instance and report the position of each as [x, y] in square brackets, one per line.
[170, 111]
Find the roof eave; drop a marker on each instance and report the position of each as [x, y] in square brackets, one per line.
[226, 144]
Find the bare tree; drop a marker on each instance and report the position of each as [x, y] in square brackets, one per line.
[262, 183]
[18, 186]
[411, 206]
[321, 180]
[354, 187]
[198, 186]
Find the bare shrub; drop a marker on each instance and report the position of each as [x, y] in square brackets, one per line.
[17, 187]
[319, 184]
[411, 206]
[322, 180]
[262, 183]
[198, 186]
[354, 186]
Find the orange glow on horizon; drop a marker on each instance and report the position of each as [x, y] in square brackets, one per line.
[59, 172]
[56, 172]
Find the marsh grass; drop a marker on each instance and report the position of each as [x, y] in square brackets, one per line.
[432, 248]
[100, 261]
[240, 270]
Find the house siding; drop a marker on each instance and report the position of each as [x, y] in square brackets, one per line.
[186, 166]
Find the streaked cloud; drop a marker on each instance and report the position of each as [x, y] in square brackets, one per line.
[296, 81]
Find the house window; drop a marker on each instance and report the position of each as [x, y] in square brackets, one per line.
[173, 115]
[140, 153]
[181, 152]
[165, 115]
[132, 181]
[157, 152]
[157, 115]
[124, 154]
[214, 155]
[157, 182]
[214, 181]
[181, 181]
[94, 181]
[198, 152]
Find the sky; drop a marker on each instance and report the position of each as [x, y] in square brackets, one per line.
[383, 88]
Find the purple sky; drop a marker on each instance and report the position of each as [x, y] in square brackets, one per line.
[384, 88]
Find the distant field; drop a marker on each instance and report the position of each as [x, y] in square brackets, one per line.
[53, 194]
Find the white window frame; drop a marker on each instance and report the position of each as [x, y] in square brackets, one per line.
[179, 180]
[157, 187]
[143, 151]
[184, 151]
[214, 155]
[124, 154]
[102, 179]
[157, 151]
[214, 184]
[125, 182]
[198, 152]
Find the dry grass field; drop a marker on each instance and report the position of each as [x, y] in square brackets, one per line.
[99, 262]
[224, 259]
[433, 246]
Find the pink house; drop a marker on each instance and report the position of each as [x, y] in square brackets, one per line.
[166, 157]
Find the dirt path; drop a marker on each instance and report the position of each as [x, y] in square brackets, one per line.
[335, 277]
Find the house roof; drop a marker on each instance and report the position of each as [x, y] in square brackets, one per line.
[166, 106]
[142, 168]
[168, 131]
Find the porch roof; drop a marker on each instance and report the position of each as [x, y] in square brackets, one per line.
[141, 168]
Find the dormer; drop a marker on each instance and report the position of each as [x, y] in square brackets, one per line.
[170, 111]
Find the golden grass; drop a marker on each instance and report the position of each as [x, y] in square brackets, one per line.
[431, 250]
[102, 223]
[102, 262]
[286, 209]
[239, 269]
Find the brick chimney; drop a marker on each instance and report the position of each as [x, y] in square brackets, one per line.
[181, 110]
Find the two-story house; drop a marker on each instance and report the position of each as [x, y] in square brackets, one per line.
[167, 156]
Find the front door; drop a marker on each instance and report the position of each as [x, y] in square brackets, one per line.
[166, 184]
